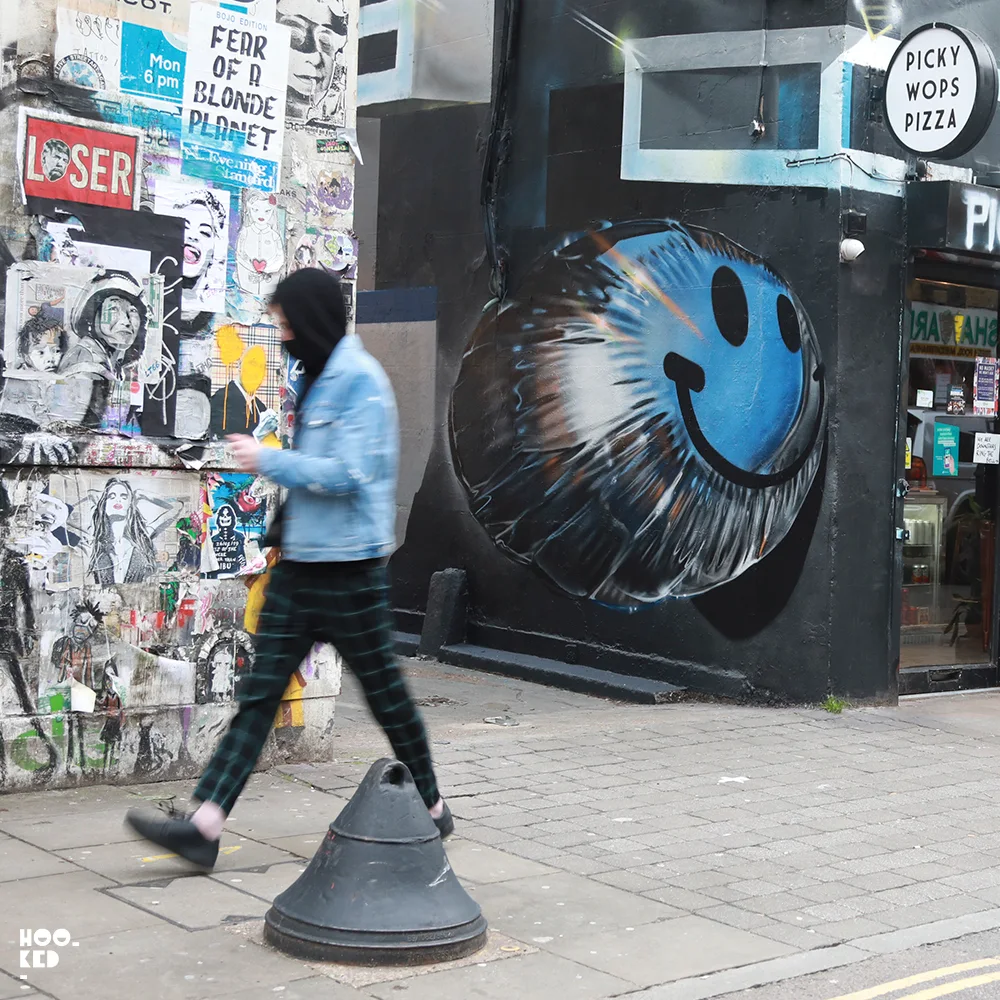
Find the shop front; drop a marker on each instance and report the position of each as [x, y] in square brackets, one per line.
[949, 459]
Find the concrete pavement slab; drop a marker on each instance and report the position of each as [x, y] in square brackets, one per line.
[668, 950]
[72, 900]
[139, 861]
[486, 865]
[164, 962]
[23, 806]
[19, 860]
[849, 825]
[264, 883]
[195, 903]
[337, 776]
[282, 808]
[538, 909]
[744, 980]
[317, 988]
[11, 988]
[79, 829]
[539, 975]
[938, 970]
[498, 947]
[303, 845]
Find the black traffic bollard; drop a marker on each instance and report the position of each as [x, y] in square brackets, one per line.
[380, 890]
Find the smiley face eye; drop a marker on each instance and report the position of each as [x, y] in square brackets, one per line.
[788, 324]
[729, 303]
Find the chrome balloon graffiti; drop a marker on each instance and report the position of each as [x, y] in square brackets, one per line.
[644, 417]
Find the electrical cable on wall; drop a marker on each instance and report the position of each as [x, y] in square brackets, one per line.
[496, 149]
[757, 126]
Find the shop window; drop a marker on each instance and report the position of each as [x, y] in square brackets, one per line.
[950, 512]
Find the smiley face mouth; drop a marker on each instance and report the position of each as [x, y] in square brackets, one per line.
[689, 377]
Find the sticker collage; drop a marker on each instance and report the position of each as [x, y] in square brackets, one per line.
[193, 153]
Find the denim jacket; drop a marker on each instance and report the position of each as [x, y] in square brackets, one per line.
[341, 473]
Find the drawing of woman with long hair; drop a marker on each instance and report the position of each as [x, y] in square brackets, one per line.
[125, 524]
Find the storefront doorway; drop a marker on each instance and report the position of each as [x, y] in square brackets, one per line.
[948, 619]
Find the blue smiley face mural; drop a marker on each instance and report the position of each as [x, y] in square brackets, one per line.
[645, 417]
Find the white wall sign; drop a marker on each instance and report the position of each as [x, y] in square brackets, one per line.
[987, 449]
[940, 91]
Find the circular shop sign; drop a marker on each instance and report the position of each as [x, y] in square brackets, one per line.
[940, 91]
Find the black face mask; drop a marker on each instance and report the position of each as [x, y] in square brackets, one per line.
[292, 347]
[313, 303]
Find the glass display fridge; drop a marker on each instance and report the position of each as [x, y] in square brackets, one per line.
[922, 550]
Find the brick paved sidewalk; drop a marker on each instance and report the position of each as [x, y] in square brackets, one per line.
[615, 849]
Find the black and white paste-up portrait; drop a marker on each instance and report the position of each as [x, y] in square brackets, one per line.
[123, 527]
[317, 68]
[205, 212]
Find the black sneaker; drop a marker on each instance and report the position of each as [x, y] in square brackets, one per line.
[445, 823]
[173, 830]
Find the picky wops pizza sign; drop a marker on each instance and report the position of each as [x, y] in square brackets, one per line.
[69, 159]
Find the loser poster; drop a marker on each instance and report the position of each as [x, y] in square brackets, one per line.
[69, 159]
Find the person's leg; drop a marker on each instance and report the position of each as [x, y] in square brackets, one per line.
[358, 622]
[283, 640]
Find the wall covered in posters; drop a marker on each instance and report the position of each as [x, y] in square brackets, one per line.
[665, 412]
[179, 159]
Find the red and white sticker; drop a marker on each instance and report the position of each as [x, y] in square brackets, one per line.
[69, 159]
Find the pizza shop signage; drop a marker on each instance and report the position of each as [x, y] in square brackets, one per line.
[941, 91]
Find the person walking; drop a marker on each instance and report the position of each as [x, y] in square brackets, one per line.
[336, 531]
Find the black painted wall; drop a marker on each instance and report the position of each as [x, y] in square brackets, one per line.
[815, 614]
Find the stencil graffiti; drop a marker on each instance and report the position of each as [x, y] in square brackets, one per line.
[111, 704]
[246, 378]
[260, 247]
[317, 68]
[222, 663]
[73, 661]
[142, 244]
[123, 527]
[206, 240]
[237, 508]
[135, 267]
[72, 655]
[17, 638]
[77, 343]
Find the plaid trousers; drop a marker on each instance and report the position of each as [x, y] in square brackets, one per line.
[348, 607]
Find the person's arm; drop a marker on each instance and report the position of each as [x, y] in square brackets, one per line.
[353, 451]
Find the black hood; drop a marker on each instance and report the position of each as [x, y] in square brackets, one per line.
[313, 303]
